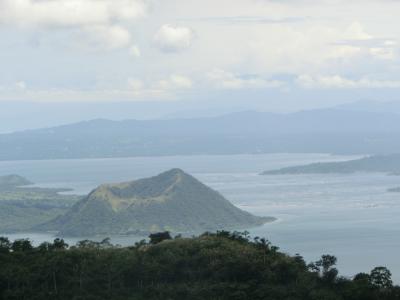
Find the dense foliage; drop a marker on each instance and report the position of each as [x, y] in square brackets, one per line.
[212, 266]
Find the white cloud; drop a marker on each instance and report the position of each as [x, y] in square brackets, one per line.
[356, 31]
[175, 82]
[383, 53]
[108, 37]
[20, 85]
[173, 38]
[239, 44]
[80, 95]
[69, 13]
[345, 51]
[339, 82]
[100, 23]
[135, 89]
[135, 84]
[135, 51]
[227, 80]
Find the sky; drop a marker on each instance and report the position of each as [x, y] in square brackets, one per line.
[68, 60]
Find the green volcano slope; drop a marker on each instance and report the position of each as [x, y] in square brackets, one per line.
[173, 201]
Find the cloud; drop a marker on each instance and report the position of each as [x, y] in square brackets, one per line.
[247, 46]
[227, 80]
[107, 37]
[339, 82]
[356, 31]
[135, 51]
[250, 20]
[383, 53]
[134, 89]
[100, 23]
[175, 82]
[135, 84]
[171, 38]
[68, 13]
[20, 85]
[356, 41]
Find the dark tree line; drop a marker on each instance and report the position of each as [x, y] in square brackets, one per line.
[221, 265]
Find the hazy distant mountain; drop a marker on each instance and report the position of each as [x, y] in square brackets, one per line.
[329, 131]
[173, 201]
[392, 107]
[385, 163]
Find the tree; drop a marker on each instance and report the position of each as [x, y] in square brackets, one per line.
[5, 245]
[381, 278]
[324, 268]
[60, 244]
[156, 238]
[22, 245]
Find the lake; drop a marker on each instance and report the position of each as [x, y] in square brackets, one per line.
[351, 216]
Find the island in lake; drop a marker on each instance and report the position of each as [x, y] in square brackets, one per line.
[389, 164]
[172, 201]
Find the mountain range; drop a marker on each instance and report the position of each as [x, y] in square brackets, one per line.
[324, 131]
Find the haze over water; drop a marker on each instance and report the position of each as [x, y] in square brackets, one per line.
[351, 216]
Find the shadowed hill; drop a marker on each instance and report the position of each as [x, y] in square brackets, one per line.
[12, 181]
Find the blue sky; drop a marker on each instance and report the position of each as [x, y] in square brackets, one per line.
[195, 55]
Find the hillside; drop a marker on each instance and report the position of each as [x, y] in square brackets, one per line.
[173, 201]
[380, 163]
[317, 131]
[23, 206]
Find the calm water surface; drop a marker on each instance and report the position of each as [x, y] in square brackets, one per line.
[350, 216]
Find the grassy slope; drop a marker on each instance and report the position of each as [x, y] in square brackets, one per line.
[172, 201]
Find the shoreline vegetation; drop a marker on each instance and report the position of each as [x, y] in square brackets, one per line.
[221, 265]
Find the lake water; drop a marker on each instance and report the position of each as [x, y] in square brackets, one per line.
[350, 216]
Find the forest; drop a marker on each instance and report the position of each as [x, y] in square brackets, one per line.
[221, 265]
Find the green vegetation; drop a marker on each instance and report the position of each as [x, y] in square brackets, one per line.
[173, 201]
[380, 163]
[212, 266]
[23, 206]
